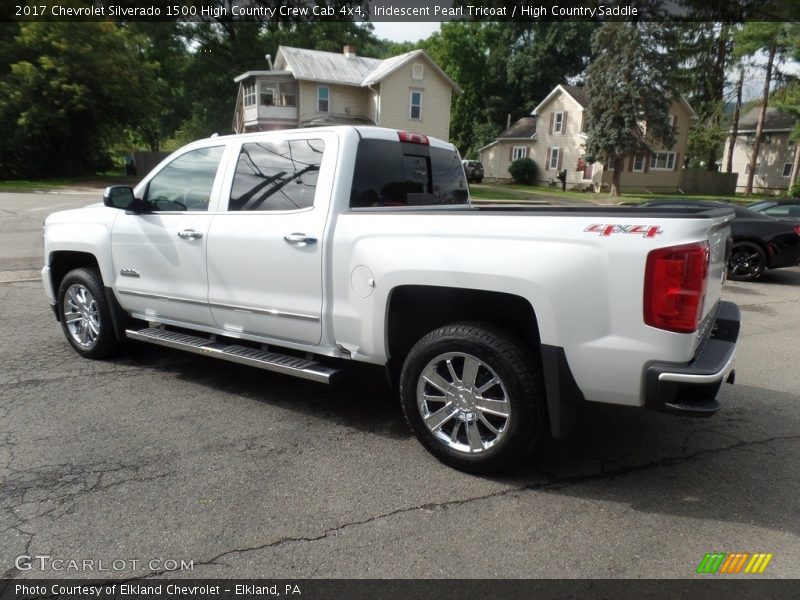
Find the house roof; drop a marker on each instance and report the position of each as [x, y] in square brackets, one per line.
[523, 128]
[333, 67]
[775, 120]
[325, 67]
[579, 95]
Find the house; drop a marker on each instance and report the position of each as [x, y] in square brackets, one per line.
[554, 136]
[775, 157]
[306, 88]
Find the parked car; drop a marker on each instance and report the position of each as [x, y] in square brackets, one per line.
[785, 210]
[760, 241]
[473, 170]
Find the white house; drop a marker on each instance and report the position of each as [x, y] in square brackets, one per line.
[309, 87]
[554, 136]
[775, 157]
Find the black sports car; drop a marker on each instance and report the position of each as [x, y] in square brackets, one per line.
[785, 210]
[759, 241]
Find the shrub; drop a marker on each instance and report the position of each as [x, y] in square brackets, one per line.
[523, 170]
[794, 189]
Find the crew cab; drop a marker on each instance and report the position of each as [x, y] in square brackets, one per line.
[304, 251]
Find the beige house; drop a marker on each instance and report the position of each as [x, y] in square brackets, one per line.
[776, 155]
[306, 88]
[554, 136]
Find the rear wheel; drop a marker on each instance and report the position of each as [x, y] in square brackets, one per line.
[85, 315]
[472, 395]
[747, 262]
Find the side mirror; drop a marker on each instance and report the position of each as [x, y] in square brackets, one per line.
[119, 196]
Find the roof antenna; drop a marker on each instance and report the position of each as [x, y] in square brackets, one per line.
[269, 61]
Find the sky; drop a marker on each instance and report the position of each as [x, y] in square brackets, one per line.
[404, 31]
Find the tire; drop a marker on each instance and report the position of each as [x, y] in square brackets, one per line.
[478, 179]
[473, 396]
[85, 315]
[747, 262]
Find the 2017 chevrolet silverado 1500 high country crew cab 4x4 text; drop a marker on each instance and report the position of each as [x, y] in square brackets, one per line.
[301, 251]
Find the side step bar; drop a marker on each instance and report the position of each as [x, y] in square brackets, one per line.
[269, 361]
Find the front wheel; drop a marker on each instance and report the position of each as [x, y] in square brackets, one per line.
[747, 262]
[473, 397]
[85, 315]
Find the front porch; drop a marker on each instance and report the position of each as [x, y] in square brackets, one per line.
[267, 100]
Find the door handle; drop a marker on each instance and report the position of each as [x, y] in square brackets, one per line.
[190, 234]
[299, 239]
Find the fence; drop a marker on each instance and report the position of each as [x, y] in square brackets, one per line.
[712, 183]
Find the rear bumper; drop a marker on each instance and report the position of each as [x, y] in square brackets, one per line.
[691, 388]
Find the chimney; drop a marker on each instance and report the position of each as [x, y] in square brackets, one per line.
[349, 51]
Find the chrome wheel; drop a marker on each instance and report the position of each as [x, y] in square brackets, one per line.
[463, 402]
[81, 315]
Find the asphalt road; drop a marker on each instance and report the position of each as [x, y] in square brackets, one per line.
[162, 456]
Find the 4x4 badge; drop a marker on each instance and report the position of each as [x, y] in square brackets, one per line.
[648, 231]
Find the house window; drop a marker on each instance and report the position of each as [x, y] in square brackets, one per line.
[555, 155]
[662, 161]
[787, 169]
[584, 124]
[415, 108]
[250, 94]
[288, 94]
[417, 71]
[638, 163]
[268, 97]
[747, 169]
[323, 98]
[672, 121]
[519, 152]
[558, 123]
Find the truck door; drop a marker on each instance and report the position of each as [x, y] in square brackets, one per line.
[265, 251]
[159, 255]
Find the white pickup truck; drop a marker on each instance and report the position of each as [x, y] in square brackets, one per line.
[301, 251]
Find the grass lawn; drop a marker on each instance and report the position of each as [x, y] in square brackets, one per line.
[96, 181]
[515, 191]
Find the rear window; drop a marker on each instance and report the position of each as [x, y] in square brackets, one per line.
[389, 173]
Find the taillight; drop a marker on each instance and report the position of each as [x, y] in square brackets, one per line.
[413, 138]
[797, 229]
[675, 286]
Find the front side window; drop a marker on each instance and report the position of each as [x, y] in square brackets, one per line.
[276, 175]
[662, 161]
[186, 182]
[323, 98]
[415, 111]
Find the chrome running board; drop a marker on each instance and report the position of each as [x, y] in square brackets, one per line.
[269, 361]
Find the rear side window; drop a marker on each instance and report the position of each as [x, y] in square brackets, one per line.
[276, 175]
[389, 173]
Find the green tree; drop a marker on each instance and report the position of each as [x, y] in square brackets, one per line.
[778, 41]
[72, 90]
[629, 90]
[504, 70]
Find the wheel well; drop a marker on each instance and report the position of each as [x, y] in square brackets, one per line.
[415, 310]
[62, 262]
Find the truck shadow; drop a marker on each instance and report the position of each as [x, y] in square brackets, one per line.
[737, 466]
